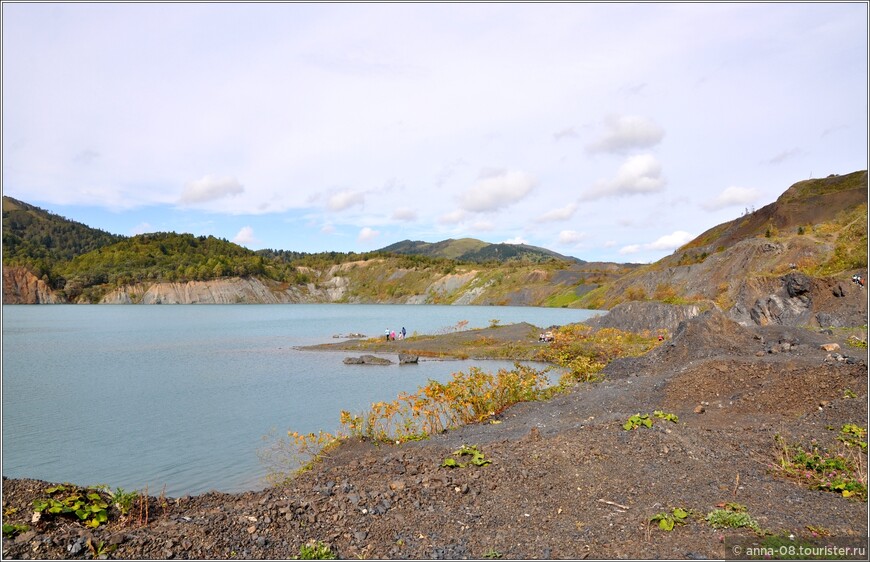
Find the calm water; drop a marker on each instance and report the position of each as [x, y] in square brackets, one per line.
[182, 396]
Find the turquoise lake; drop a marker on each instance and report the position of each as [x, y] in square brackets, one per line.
[183, 396]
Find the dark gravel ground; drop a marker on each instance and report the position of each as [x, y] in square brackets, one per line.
[566, 481]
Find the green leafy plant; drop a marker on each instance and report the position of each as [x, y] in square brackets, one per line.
[855, 341]
[88, 505]
[848, 393]
[853, 436]
[492, 553]
[637, 421]
[477, 458]
[315, 551]
[10, 531]
[667, 520]
[123, 500]
[728, 519]
[843, 471]
[666, 416]
[100, 549]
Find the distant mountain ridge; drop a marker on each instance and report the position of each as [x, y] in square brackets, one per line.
[817, 229]
[476, 251]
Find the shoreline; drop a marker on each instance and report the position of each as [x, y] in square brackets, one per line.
[562, 470]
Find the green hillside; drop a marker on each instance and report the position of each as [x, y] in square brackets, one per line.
[163, 256]
[37, 239]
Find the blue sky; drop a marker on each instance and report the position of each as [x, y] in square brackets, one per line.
[612, 132]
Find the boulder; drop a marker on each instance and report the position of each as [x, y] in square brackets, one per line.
[797, 284]
[407, 358]
[367, 360]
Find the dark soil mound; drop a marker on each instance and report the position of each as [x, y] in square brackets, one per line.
[637, 316]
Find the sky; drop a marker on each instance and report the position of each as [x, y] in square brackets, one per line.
[609, 132]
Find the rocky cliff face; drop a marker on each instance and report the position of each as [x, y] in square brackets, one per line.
[720, 273]
[22, 287]
[237, 290]
[797, 300]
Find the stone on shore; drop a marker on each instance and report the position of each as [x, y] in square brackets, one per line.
[407, 358]
[367, 360]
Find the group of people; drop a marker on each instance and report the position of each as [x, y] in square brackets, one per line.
[858, 280]
[392, 335]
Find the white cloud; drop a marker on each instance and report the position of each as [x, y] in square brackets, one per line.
[327, 229]
[367, 234]
[210, 188]
[345, 200]
[731, 197]
[516, 240]
[245, 236]
[405, 214]
[571, 236]
[560, 214]
[638, 174]
[497, 191]
[453, 217]
[627, 132]
[670, 241]
[667, 242]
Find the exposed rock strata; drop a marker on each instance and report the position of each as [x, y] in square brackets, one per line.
[221, 291]
[22, 287]
[797, 300]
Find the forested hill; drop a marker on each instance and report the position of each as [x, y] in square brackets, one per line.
[37, 239]
[163, 256]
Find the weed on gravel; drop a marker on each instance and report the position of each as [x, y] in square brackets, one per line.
[842, 471]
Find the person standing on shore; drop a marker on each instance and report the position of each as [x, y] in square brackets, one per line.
[403, 332]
